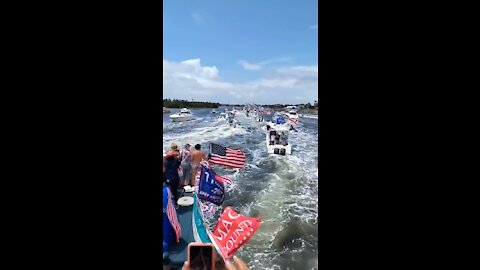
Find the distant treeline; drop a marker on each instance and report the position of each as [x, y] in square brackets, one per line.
[280, 106]
[300, 106]
[177, 103]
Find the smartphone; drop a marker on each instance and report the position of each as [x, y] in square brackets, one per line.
[201, 256]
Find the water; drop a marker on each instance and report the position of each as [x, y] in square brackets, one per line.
[283, 190]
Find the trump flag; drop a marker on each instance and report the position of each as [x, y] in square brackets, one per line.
[210, 186]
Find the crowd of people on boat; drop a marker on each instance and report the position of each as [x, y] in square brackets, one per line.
[179, 170]
[278, 138]
[181, 167]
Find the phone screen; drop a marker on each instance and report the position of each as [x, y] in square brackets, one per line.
[201, 257]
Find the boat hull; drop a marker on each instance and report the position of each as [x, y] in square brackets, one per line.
[181, 118]
[279, 149]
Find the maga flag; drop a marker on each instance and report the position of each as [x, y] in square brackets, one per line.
[233, 230]
[210, 186]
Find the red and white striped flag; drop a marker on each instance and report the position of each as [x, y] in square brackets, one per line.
[226, 157]
[224, 179]
[172, 216]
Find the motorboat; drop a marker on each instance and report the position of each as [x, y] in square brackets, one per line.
[165, 110]
[277, 139]
[183, 115]
[292, 114]
[230, 119]
[213, 111]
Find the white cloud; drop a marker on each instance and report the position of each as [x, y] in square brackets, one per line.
[249, 66]
[198, 18]
[252, 66]
[190, 80]
[314, 26]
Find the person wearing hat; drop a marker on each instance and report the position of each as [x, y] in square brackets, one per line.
[171, 173]
[186, 166]
[175, 150]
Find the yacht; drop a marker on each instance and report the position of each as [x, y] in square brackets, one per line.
[184, 115]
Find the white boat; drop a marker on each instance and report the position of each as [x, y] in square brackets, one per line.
[183, 115]
[292, 114]
[213, 111]
[165, 110]
[276, 145]
[223, 116]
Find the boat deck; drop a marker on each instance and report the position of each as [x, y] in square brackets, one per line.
[178, 255]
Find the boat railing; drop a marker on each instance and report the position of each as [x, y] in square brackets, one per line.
[207, 230]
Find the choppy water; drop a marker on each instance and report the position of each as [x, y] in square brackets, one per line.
[283, 190]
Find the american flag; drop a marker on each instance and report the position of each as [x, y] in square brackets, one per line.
[207, 208]
[226, 157]
[172, 216]
[224, 179]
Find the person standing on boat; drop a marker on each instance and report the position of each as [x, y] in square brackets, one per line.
[284, 138]
[177, 155]
[186, 165]
[171, 226]
[272, 137]
[277, 138]
[174, 148]
[197, 157]
[171, 173]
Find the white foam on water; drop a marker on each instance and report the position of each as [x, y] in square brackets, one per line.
[201, 135]
[311, 116]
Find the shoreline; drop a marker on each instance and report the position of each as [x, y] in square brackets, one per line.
[191, 108]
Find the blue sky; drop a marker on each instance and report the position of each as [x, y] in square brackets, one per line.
[237, 51]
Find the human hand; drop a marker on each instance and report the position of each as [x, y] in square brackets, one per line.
[238, 264]
[186, 266]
